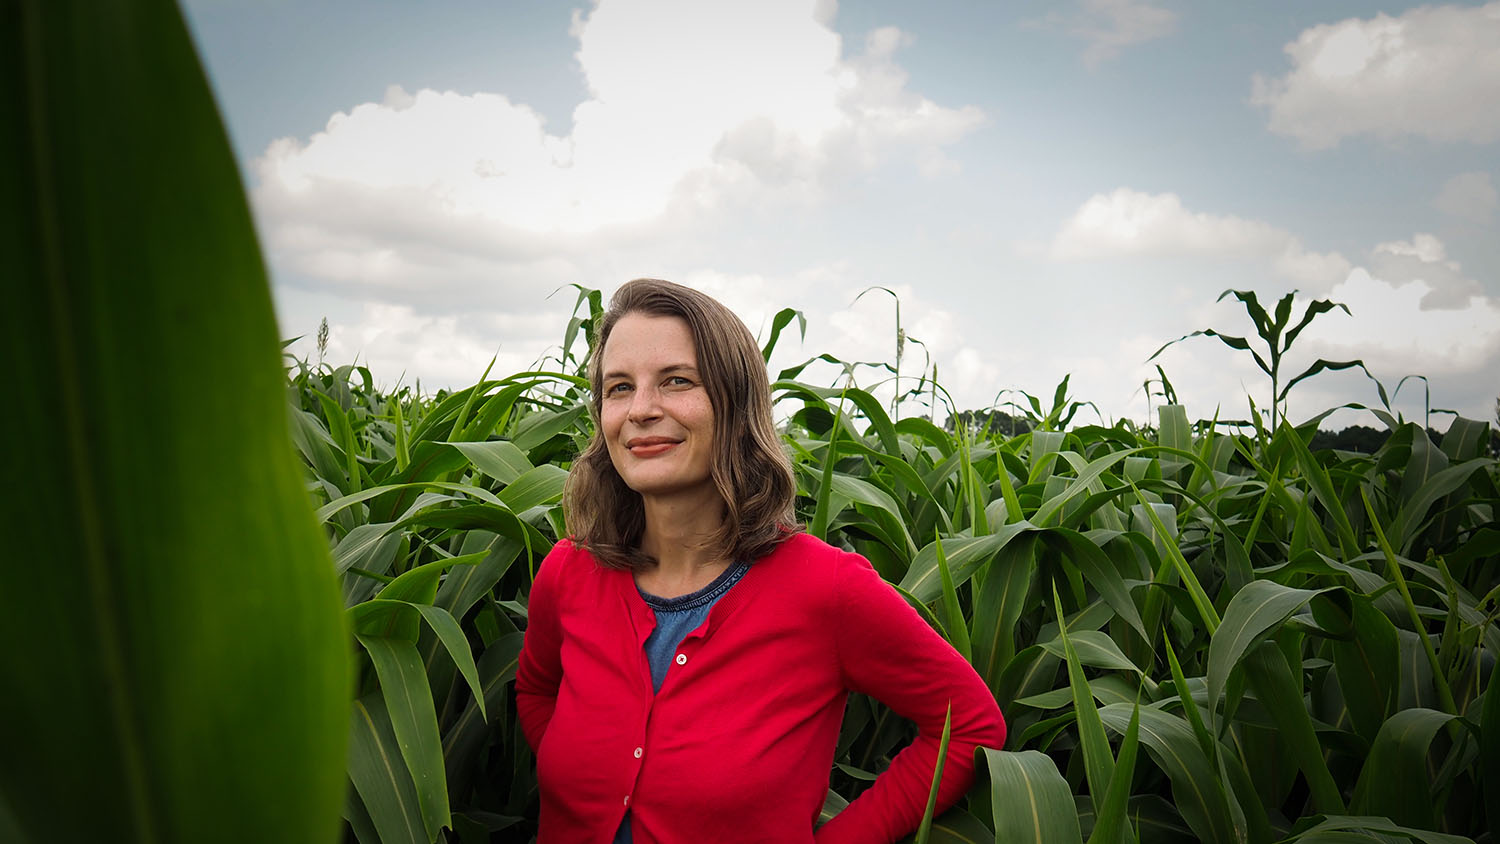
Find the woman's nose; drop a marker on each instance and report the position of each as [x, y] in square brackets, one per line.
[645, 404]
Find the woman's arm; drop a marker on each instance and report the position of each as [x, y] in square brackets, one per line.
[539, 669]
[887, 651]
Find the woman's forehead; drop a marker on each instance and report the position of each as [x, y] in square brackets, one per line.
[643, 340]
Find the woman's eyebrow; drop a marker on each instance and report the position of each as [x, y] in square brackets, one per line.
[669, 369]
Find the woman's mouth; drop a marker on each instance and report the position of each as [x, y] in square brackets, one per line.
[650, 446]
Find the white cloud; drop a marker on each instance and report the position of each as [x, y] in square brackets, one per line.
[1433, 72]
[1132, 224]
[1315, 270]
[1129, 223]
[1457, 350]
[692, 106]
[442, 350]
[1424, 260]
[1398, 334]
[1109, 26]
[1469, 196]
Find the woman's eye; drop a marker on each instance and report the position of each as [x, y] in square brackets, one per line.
[612, 389]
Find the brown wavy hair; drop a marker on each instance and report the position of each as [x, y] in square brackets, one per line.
[750, 469]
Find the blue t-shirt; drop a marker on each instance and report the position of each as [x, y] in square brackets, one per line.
[675, 618]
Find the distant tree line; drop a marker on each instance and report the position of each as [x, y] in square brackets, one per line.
[1367, 440]
[1357, 438]
[985, 422]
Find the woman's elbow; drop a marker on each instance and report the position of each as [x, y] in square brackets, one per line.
[986, 728]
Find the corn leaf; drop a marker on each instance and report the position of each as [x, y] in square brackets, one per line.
[958, 628]
[1252, 614]
[1281, 694]
[1489, 751]
[1410, 518]
[174, 655]
[1197, 789]
[408, 700]
[379, 774]
[541, 485]
[1366, 657]
[956, 826]
[1112, 823]
[1371, 827]
[1322, 489]
[1098, 761]
[964, 555]
[1030, 799]
[500, 459]
[464, 738]
[924, 829]
[1091, 647]
[998, 608]
[1390, 783]
[448, 632]
[1100, 571]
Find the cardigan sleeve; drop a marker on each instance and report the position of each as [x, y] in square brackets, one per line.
[539, 669]
[887, 651]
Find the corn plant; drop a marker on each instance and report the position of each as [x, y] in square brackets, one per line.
[175, 666]
[1277, 337]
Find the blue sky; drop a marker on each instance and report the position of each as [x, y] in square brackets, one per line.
[1051, 188]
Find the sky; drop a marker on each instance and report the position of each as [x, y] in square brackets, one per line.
[1044, 189]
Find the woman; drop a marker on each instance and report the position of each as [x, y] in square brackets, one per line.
[688, 653]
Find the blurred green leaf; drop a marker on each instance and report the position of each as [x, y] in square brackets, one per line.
[175, 654]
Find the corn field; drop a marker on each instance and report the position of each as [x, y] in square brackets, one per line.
[1196, 635]
[1196, 631]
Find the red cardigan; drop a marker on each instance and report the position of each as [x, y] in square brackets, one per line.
[738, 744]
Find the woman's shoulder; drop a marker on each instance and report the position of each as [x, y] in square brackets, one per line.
[565, 554]
[571, 563]
[809, 547]
[806, 559]
[802, 547]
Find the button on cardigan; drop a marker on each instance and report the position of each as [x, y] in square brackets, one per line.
[738, 743]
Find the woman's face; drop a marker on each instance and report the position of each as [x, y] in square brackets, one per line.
[655, 414]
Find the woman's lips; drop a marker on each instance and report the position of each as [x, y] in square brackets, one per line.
[650, 446]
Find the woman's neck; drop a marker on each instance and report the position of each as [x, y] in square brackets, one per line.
[678, 534]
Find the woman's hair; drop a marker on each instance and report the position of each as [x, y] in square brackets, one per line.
[750, 469]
